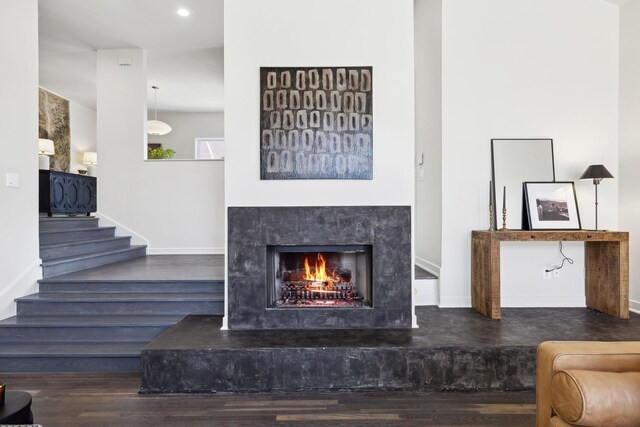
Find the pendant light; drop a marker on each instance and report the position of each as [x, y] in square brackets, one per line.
[157, 127]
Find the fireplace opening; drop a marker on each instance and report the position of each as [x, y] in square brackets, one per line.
[319, 276]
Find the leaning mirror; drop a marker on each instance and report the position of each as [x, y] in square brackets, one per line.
[513, 162]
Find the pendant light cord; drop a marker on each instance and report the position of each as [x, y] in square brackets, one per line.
[155, 101]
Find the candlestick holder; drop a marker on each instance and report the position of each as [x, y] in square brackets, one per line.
[491, 227]
[504, 220]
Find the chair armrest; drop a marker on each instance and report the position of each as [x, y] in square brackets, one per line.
[585, 355]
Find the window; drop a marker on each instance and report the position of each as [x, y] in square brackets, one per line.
[210, 148]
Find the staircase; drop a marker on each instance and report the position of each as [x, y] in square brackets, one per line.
[97, 306]
[71, 244]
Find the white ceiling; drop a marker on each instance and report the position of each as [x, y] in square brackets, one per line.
[185, 55]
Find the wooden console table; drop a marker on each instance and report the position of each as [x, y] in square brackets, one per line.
[606, 267]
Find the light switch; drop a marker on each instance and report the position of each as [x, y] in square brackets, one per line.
[13, 180]
[421, 174]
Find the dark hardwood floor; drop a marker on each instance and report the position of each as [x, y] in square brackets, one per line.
[112, 400]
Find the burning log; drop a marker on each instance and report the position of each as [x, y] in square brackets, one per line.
[339, 274]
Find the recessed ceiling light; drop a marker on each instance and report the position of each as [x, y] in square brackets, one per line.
[183, 12]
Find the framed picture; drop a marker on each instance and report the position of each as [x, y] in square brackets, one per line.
[316, 122]
[551, 206]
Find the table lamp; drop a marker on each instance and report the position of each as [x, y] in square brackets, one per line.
[597, 173]
[45, 149]
[90, 158]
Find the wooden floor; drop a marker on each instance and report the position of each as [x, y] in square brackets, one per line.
[112, 400]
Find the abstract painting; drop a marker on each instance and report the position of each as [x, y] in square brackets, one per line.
[54, 125]
[316, 123]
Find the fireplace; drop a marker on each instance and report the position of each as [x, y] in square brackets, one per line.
[310, 277]
[365, 251]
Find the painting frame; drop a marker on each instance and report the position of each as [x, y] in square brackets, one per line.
[316, 122]
[551, 205]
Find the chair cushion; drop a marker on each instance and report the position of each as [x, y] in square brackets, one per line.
[593, 398]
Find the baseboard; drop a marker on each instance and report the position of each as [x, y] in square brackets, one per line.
[634, 306]
[454, 302]
[428, 266]
[26, 283]
[186, 251]
[122, 230]
[425, 292]
[524, 301]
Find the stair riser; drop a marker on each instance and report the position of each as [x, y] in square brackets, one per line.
[137, 287]
[70, 364]
[81, 249]
[68, 236]
[74, 334]
[72, 266]
[67, 223]
[127, 308]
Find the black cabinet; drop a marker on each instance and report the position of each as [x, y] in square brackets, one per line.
[67, 193]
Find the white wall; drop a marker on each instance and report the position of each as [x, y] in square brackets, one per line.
[186, 127]
[528, 68]
[378, 33]
[178, 207]
[629, 174]
[83, 133]
[428, 113]
[19, 259]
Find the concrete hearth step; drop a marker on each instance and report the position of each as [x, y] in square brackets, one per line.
[59, 266]
[66, 223]
[81, 356]
[68, 328]
[62, 284]
[74, 234]
[79, 247]
[121, 303]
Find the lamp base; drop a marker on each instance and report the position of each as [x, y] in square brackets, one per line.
[92, 170]
[44, 162]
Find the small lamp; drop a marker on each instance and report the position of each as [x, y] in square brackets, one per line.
[45, 149]
[90, 158]
[597, 173]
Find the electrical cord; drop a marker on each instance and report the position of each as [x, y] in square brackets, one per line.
[564, 258]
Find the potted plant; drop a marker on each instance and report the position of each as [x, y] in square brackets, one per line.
[160, 153]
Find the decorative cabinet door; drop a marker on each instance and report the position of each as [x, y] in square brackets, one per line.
[62, 192]
[87, 199]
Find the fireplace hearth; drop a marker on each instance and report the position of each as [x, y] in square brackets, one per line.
[319, 276]
[319, 267]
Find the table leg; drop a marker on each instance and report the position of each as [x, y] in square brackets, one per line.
[485, 275]
[607, 277]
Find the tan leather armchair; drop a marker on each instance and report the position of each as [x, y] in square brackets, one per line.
[588, 384]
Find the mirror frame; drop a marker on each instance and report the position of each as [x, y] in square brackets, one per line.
[493, 171]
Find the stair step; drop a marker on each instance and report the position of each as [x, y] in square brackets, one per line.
[75, 234]
[79, 247]
[127, 303]
[60, 266]
[23, 329]
[67, 223]
[59, 284]
[85, 356]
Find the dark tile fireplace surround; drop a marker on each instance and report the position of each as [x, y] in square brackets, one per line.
[382, 232]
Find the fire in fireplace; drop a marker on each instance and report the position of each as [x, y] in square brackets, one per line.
[319, 276]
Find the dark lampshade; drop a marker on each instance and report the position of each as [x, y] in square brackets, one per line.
[596, 172]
